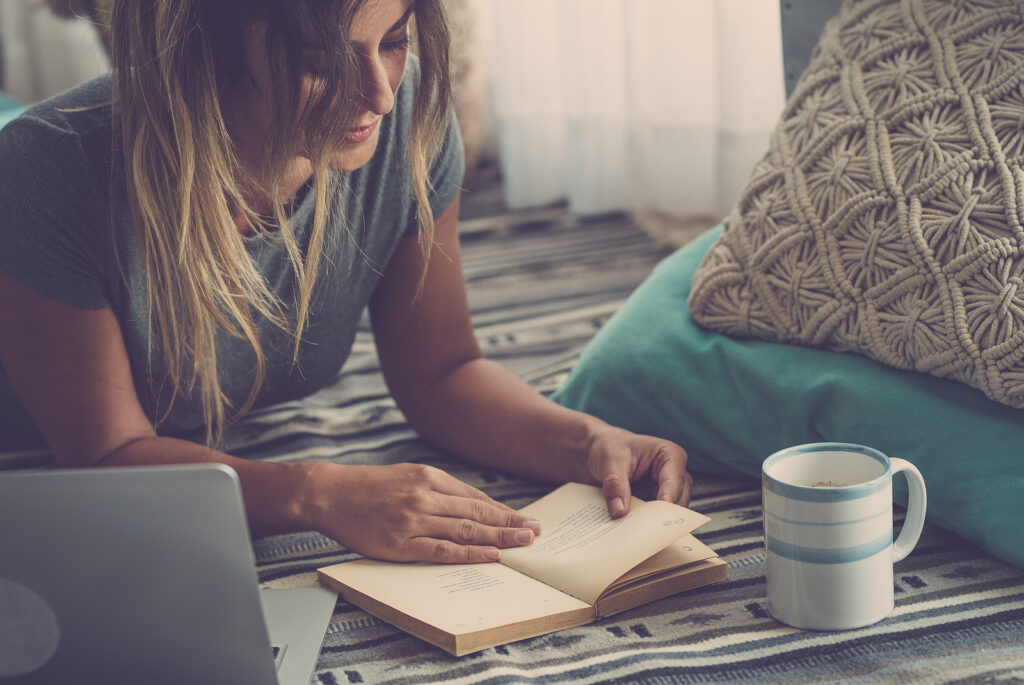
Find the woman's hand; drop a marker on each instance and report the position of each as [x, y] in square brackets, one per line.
[411, 512]
[616, 457]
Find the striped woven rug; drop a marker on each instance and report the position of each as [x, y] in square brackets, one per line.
[540, 284]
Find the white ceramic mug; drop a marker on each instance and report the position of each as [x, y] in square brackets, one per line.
[828, 533]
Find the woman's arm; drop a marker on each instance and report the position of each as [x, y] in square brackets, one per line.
[70, 369]
[482, 411]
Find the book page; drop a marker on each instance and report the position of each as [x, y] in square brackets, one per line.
[460, 598]
[682, 552]
[581, 549]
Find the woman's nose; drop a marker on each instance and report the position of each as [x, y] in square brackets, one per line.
[377, 93]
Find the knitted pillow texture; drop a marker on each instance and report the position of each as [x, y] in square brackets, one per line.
[887, 218]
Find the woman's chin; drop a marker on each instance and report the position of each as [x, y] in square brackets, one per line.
[351, 157]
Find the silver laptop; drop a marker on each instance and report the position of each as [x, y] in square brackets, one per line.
[143, 575]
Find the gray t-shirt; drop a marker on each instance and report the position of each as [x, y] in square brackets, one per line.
[64, 216]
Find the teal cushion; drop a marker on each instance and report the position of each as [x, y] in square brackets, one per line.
[731, 403]
[9, 109]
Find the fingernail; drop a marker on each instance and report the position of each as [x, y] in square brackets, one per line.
[617, 506]
[533, 524]
[491, 554]
[524, 537]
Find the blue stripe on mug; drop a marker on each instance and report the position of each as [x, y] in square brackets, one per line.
[842, 555]
[883, 512]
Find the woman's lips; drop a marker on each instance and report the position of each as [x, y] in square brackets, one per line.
[358, 135]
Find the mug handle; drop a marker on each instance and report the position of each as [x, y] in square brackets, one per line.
[916, 507]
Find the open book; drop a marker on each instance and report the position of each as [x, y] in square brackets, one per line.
[583, 566]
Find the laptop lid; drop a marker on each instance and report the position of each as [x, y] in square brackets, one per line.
[129, 575]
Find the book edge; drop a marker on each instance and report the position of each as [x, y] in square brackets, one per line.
[468, 643]
[459, 644]
[699, 573]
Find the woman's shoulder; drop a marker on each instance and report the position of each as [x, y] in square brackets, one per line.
[63, 144]
[80, 116]
[54, 162]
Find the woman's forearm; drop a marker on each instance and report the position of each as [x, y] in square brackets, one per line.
[402, 512]
[273, 493]
[486, 414]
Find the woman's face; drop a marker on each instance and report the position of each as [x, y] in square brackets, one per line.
[380, 35]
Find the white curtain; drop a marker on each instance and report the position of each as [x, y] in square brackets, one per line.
[660, 105]
[635, 105]
[43, 54]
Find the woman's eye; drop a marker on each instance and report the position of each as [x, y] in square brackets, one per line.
[399, 45]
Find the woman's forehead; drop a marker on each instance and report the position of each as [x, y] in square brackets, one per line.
[375, 18]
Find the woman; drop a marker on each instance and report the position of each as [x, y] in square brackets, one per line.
[197, 235]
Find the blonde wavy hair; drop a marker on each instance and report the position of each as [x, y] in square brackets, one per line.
[174, 64]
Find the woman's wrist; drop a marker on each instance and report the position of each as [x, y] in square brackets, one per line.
[307, 505]
[586, 434]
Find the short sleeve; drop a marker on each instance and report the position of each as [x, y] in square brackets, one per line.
[446, 173]
[448, 169]
[50, 215]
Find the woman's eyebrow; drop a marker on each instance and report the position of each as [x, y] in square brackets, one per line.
[405, 17]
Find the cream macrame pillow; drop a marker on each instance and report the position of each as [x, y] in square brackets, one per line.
[886, 218]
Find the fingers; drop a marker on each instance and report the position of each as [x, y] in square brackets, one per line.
[619, 460]
[460, 524]
[670, 478]
[459, 500]
[470, 532]
[446, 540]
[615, 482]
[447, 552]
[485, 512]
[684, 499]
[478, 523]
[669, 471]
